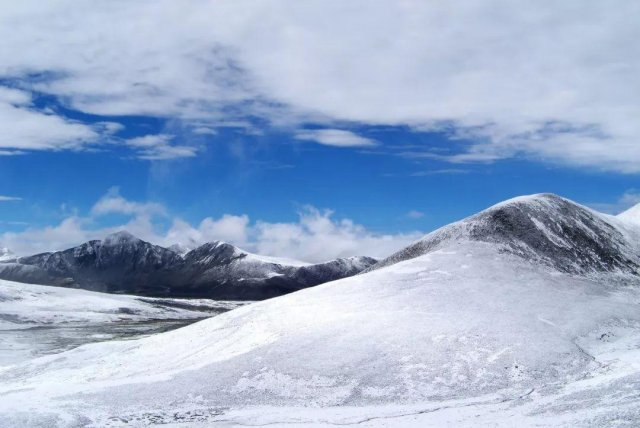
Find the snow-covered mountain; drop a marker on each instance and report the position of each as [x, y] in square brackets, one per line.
[544, 229]
[525, 314]
[122, 263]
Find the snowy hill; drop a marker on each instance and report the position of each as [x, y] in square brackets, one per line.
[545, 229]
[122, 263]
[632, 215]
[525, 314]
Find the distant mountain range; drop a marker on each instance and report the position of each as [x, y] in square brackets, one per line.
[122, 263]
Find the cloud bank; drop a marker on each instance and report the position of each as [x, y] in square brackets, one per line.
[317, 235]
[552, 81]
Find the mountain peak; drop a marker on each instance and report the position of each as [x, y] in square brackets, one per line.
[119, 238]
[533, 199]
[218, 246]
[543, 228]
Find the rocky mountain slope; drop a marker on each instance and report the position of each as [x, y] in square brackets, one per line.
[122, 263]
[544, 229]
[525, 314]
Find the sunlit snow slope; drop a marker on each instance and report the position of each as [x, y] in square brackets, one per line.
[530, 308]
[632, 215]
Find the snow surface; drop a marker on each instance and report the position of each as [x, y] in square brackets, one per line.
[464, 335]
[38, 320]
[25, 305]
[632, 215]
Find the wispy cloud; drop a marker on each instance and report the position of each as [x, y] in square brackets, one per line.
[113, 203]
[9, 198]
[414, 214]
[441, 171]
[627, 200]
[335, 137]
[159, 147]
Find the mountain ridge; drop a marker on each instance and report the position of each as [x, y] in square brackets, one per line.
[123, 263]
[543, 227]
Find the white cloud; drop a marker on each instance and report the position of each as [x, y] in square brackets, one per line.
[204, 130]
[414, 214]
[32, 241]
[334, 137]
[627, 200]
[228, 228]
[548, 80]
[630, 198]
[444, 171]
[158, 147]
[26, 128]
[113, 203]
[4, 198]
[316, 236]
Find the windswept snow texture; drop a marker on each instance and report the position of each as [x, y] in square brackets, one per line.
[489, 321]
[122, 263]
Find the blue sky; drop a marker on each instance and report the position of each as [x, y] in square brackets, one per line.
[270, 176]
[296, 141]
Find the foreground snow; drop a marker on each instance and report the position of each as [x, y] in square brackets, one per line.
[429, 330]
[26, 305]
[467, 334]
[37, 320]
